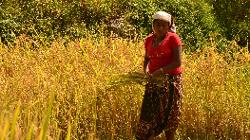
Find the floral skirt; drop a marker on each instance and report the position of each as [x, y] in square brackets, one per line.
[160, 107]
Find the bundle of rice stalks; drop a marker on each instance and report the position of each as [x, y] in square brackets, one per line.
[128, 78]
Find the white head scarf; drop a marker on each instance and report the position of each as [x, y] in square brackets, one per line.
[161, 15]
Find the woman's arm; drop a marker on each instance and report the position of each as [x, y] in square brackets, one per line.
[177, 60]
[145, 63]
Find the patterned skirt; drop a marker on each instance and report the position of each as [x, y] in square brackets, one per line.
[160, 107]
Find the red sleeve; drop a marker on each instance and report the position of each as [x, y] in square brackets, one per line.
[147, 41]
[175, 41]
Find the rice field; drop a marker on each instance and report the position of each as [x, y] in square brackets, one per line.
[92, 89]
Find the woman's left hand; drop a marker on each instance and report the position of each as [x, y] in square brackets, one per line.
[156, 74]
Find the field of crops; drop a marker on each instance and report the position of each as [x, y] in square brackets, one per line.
[88, 89]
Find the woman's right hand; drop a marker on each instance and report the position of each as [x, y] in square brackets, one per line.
[148, 75]
[157, 75]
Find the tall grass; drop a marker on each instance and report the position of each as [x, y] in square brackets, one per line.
[77, 91]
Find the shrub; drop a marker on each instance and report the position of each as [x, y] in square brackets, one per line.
[194, 20]
[48, 20]
[233, 17]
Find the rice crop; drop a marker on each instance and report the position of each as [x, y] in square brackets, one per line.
[92, 89]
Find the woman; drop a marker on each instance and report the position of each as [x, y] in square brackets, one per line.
[162, 65]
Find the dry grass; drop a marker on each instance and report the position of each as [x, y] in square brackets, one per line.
[79, 91]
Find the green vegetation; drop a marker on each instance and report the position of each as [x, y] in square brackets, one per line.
[234, 18]
[197, 21]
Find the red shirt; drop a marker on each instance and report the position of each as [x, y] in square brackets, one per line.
[162, 55]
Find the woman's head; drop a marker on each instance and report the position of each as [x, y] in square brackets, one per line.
[162, 23]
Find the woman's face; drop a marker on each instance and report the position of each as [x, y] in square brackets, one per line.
[160, 27]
